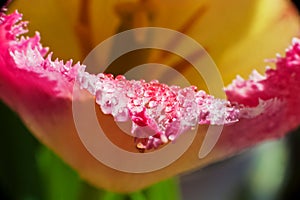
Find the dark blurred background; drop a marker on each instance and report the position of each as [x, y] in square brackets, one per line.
[297, 3]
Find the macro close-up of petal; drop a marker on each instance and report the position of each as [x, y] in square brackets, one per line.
[254, 44]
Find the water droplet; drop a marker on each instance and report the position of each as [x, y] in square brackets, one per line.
[137, 102]
[121, 115]
[130, 94]
[152, 104]
[171, 137]
[168, 109]
[108, 87]
[164, 138]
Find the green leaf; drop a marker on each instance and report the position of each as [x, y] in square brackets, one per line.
[114, 196]
[59, 180]
[165, 190]
[138, 196]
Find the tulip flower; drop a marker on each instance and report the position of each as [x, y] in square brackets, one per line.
[264, 107]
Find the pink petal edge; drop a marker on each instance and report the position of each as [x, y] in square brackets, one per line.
[24, 59]
[269, 105]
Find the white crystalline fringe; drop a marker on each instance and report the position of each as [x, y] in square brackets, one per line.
[155, 108]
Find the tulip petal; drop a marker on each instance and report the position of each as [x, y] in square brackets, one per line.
[40, 91]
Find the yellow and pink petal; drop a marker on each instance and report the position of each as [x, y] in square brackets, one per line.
[40, 91]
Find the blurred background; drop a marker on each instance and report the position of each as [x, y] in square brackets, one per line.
[29, 171]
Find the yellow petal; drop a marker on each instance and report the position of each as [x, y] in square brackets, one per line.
[53, 22]
[274, 26]
[237, 34]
